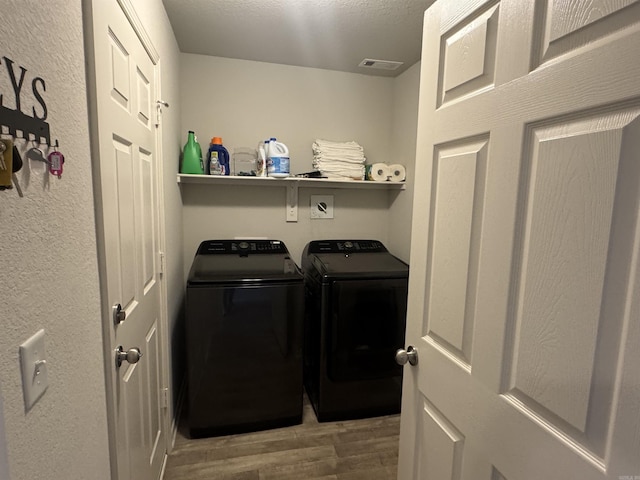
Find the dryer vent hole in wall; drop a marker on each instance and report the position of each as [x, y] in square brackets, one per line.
[321, 206]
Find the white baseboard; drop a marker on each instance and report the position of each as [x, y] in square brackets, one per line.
[182, 394]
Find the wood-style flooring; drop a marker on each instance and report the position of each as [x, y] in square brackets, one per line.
[364, 449]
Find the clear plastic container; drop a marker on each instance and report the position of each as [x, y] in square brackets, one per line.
[244, 161]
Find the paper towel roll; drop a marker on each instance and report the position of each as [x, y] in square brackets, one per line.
[397, 173]
[378, 172]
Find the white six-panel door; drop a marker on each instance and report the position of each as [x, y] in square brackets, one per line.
[125, 97]
[524, 296]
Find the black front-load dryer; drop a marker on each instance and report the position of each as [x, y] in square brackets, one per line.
[356, 303]
[244, 322]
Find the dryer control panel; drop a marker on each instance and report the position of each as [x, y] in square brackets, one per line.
[346, 246]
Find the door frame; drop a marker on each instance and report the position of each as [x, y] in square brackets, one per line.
[106, 316]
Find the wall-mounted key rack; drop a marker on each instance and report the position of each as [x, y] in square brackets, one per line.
[18, 125]
[19, 132]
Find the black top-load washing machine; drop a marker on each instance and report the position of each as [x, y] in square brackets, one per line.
[244, 325]
[356, 303]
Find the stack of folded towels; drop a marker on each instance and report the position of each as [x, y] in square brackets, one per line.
[342, 160]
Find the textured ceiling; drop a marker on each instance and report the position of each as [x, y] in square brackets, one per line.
[329, 34]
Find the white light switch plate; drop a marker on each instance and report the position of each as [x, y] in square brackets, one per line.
[34, 369]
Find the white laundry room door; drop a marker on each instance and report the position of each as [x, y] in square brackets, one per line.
[123, 77]
[524, 295]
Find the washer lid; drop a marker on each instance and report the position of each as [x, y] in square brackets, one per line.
[231, 261]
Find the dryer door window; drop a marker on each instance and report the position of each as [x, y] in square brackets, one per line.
[366, 328]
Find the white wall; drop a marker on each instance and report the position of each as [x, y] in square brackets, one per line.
[243, 102]
[403, 140]
[49, 272]
[212, 212]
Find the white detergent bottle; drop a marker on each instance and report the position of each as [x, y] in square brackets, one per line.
[278, 159]
[267, 148]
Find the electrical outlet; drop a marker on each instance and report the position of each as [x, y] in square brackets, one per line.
[321, 206]
[34, 369]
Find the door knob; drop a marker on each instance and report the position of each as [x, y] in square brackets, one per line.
[132, 355]
[409, 355]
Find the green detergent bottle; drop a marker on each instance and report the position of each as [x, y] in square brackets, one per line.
[191, 159]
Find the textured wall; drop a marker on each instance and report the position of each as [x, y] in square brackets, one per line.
[48, 269]
[403, 140]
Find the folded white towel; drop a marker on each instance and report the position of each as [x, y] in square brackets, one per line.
[322, 146]
[342, 175]
[348, 151]
[329, 143]
[339, 159]
[336, 167]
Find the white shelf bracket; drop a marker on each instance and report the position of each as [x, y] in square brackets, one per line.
[292, 202]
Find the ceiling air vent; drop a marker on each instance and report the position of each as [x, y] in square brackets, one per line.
[380, 64]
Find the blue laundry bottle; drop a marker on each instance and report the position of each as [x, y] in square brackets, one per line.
[217, 150]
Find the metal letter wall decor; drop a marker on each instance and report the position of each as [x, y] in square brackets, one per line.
[17, 125]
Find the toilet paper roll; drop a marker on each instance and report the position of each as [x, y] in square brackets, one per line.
[397, 173]
[378, 172]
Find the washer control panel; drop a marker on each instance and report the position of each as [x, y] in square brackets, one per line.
[241, 247]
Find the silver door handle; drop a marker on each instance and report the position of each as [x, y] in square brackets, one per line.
[409, 355]
[132, 355]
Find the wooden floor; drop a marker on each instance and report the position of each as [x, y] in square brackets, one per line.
[347, 450]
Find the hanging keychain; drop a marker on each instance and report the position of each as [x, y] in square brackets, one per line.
[3, 148]
[6, 164]
[56, 159]
[16, 167]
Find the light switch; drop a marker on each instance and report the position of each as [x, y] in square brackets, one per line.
[34, 369]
